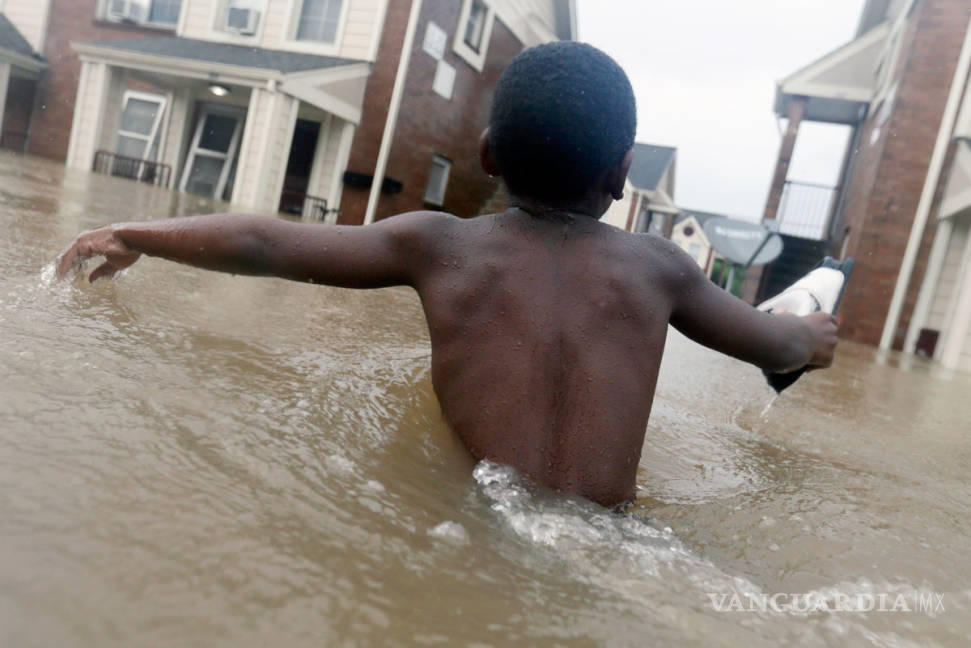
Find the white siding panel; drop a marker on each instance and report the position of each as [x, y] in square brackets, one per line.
[275, 22]
[250, 155]
[30, 19]
[198, 19]
[946, 285]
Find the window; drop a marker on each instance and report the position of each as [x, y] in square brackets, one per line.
[475, 25]
[437, 181]
[319, 20]
[473, 32]
[161, 13]
[141, 116]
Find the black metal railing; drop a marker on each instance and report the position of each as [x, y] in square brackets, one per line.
[305, 206]
[124, 166]
[805, 209]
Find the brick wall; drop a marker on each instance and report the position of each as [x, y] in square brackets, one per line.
[428, 124]
[888, 175]
[70, 21]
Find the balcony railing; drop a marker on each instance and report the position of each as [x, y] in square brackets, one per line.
[308, 207]
[123, 166]
[805, 209]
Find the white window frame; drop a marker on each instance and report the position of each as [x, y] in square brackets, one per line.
[469, 55]
[153, 137]
[220, 11]
[436, 195]
[216, 109]
[292, 24]
[103, 14]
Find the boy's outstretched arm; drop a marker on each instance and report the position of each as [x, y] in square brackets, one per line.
[713, 317]
[391, 252]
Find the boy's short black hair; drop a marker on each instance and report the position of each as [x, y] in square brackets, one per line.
[563, 113]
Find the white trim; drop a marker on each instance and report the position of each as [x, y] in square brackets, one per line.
[288, 39]
[323, 100]
[466, 53]
[436, 195]
[31, 66]
[927, 195]
[397, 92]
[340, 165]
[175, 66]
[378, 31]
[269, 121]
[928, 288]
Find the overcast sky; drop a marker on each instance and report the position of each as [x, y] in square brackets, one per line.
[704, 73]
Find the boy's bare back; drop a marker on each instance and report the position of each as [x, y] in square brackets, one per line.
[547, 326]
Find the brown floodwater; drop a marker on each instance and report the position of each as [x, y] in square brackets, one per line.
[195, 459]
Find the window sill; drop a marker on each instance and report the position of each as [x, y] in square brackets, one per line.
[134, 27]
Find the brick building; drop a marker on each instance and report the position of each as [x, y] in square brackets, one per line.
[904, 200]
[282, 105]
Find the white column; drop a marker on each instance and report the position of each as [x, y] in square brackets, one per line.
[89, 108]
[957, 324]
[340, 165]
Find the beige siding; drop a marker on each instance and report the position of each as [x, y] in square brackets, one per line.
[360, 28]
[30, 18]
[275, 22]
[197, 19]
[949, 272]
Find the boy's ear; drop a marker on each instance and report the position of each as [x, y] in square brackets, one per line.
[485, 156]
[617, 176]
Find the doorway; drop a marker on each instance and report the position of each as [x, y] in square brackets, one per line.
[213, 152]
[301, 162]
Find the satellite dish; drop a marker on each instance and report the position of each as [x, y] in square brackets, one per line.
[741, 242]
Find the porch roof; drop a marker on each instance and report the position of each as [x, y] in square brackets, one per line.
[15, 48]
[206, 52]
[837, 85]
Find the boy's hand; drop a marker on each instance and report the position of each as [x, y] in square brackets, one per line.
[99, 242]
[823, 332]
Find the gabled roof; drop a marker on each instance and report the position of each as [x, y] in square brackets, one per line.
[223, 54]
[650, 163]
[12, 40]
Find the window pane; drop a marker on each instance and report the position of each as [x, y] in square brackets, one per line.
[217, 133]
[318, 20]
[204, 176]
[437, 181]
[165, 11]
[476, 25]
[131, 147]
[139, 116]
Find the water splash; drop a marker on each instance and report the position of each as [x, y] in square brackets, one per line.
[765, 412]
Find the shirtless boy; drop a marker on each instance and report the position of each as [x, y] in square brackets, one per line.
[547, 326]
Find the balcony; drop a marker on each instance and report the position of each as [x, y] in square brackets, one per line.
[805, 209]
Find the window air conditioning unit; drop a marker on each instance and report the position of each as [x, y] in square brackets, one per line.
[242, 21]
[128, 10]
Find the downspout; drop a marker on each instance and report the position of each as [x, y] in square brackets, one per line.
[927, 195]
[389, 126]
